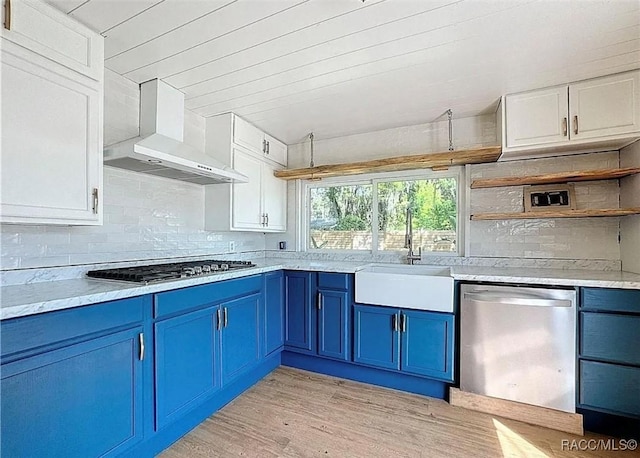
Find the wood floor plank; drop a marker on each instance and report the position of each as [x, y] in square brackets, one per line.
[294, 413]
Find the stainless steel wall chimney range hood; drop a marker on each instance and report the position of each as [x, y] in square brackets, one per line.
[160, 150]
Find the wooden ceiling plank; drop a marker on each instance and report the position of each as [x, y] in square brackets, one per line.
[101, 15]
[156, 22]
[236, 54]
[235, 16]
[410, 162]
[383, 23]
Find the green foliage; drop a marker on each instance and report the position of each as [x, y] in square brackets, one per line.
[433, 203]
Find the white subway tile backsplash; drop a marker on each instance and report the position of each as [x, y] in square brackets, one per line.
[168, 222]
[581, 238]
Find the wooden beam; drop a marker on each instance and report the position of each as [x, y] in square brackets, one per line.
[545, 214]
[535, 415]
[551, 178]
[411, 162]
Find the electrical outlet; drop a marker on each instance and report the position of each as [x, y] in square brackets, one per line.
[232, 247]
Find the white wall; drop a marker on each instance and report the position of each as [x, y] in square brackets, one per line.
[630, 197]
[572, 239]
[145, 217]
[581, 238]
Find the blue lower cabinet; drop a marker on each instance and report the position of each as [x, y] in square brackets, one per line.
[427, 344]
[273, 312]
[187, 355]
[413, 341]
[78, 401]
[300, 328]
[610, 387]
[240, 336]
[376, 339]
[333, 324]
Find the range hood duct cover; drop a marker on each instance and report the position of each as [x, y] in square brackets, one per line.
[160, 150]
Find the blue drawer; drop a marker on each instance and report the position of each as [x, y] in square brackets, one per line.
[610, 337]
[610, 387]
[615, 300]
[31, 333]
[185, 299]
[334, 280]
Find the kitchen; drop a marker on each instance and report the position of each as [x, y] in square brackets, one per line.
[189, 191]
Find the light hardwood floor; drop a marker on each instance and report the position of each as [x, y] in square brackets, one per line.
[293, 413]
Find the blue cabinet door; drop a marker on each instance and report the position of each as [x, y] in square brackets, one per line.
[186, 369]
[376, 337]
[82, 400]
[240, 336]
[427, 344]
[300, 314]
[333, 324]
[273, 312]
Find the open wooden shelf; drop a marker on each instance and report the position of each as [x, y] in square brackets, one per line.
[546, 214]
[551, 178]
[436, 161]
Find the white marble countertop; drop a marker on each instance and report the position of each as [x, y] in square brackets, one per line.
[33, 298]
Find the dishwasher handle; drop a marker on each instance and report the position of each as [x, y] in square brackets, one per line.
[515, 299]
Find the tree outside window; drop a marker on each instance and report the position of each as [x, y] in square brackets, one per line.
[341, 216]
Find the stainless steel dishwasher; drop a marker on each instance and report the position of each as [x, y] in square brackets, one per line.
[519, 343]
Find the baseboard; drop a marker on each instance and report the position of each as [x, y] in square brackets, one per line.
[166, 436]
[359, 373]
[540, 416]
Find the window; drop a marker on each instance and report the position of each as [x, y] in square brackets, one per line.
[342, 215]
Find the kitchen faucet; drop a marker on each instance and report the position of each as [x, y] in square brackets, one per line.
[408, 240]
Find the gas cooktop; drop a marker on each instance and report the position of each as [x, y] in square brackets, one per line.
[162, 272]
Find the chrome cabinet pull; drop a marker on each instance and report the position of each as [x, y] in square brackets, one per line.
[403, 323]
[226, 321]
[94, 194]
[141, 340]
[267, 216]
[564, 127]
[219, 318]
[319, 301]
[394, 322]
[7, 14]
[267, 147]
[575, 124]
[264, 146]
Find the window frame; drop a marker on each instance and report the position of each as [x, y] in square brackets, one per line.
[373, 179]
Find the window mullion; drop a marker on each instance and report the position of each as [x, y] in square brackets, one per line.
[374, 218]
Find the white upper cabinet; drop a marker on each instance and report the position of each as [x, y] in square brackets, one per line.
[274, 200]
[537, 117]
[231, 130]
[605, 106]
[247, 135]
[247, 210]
[593, 115]
[49, 33]
[51, 119]
[275, 150]
[259, 205]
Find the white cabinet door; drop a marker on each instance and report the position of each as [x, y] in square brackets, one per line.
[537, 117]
[51, 143]
[52, 34]
[605, 106]
[247, 135]
[247, 197]
[276, 150]
[274, 195]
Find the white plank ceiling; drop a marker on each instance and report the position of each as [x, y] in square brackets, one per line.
[337, 67]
